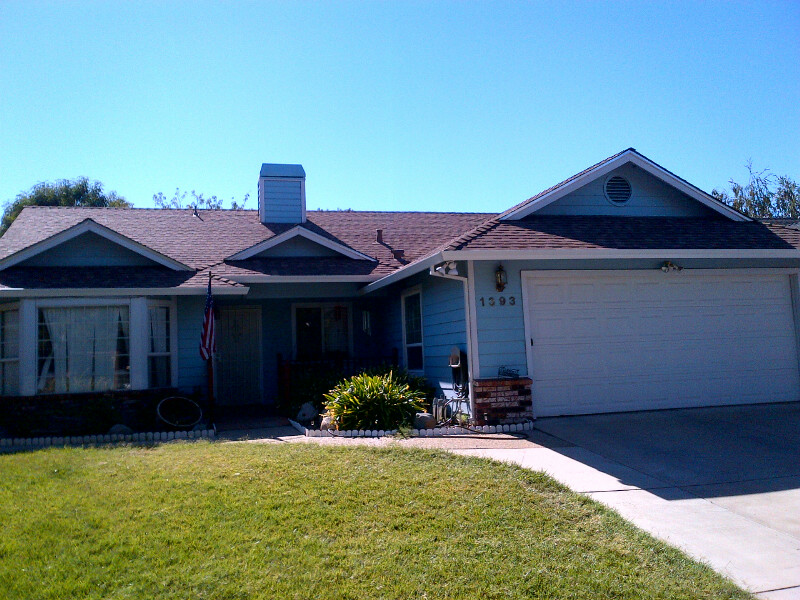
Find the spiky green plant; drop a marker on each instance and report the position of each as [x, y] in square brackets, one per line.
[373, 402]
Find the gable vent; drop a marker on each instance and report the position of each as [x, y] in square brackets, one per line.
[618, 190]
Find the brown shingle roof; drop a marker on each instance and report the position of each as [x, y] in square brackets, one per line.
[634, 233]
[215, 235]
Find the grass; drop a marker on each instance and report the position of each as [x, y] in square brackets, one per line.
[233, 521]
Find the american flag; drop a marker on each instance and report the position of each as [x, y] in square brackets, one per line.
[208, 342]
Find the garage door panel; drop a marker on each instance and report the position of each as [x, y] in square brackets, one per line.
[610, 341]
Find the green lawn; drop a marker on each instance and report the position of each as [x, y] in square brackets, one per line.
[202, 520]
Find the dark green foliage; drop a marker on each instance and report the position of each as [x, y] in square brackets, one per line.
[64, 192]
[403, 377]
[373, 402]
[765, 196]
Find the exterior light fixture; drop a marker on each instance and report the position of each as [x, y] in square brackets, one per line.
[500, 279]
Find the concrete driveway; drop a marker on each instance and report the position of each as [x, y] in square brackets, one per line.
[723, 484]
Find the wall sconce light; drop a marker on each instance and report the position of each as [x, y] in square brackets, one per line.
[500, 279]
[668, 266]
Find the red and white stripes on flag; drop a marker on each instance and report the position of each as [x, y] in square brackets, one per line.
[208, 340]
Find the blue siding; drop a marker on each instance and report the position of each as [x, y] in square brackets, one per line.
[650, 197]
[501, 330]
[88, 250]
[280, 201]
[443, 326]
[191, 368]
[299, 246]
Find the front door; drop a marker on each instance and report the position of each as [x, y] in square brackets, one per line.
[238, 358]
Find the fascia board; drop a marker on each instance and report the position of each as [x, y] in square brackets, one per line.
[609, 253]
[302, 232]
[401, 274]
[90, 226]
[103, 292]
[302, 278]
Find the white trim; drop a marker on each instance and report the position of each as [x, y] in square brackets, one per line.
[794, 284]
[171, 305]
[475, 359]
[658, 272]
[90, 226]
[414, 290]
[637, 159]
[322, 305]
[123, 292]
[296, 231]
[28, 335]
[607, 253]
[302, 278]
[524, 277]
[404, 272]
[139, 341]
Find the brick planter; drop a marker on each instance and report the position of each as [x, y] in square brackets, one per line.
[499, 401]
[82, 413]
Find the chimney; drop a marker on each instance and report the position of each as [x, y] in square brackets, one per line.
[379, 236]
[282, 194]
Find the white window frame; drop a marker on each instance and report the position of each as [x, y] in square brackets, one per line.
[81, 303]
[139, 335]
[322, 306]
[171, 306]
[417, 289]
[10, 308]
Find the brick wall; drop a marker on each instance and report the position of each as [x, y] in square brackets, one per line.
[80, 414]
[502, 400]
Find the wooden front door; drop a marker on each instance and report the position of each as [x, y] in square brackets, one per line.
[239, 369]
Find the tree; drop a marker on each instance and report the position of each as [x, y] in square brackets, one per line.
[765, 196]
[64, 192]
[198, 201]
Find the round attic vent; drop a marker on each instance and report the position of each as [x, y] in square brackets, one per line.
[618, 189]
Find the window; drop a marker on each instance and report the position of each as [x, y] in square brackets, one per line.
[412, 330]
[159, 348]
[321, 331]
[9, 352]
[83, 349]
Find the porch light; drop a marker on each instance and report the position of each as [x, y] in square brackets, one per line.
[500, 279]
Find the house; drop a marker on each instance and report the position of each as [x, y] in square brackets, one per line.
[622, 288]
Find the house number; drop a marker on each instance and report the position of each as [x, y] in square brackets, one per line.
[500, 300]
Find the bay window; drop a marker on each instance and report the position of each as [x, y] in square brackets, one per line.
[78, 345]
[9, 351]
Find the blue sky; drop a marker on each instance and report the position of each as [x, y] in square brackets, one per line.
[392, 105]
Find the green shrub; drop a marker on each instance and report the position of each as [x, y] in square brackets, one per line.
[373, 402]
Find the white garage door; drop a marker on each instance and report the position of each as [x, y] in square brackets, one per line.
[605, 341]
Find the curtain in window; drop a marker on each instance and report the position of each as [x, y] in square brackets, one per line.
[83, 349]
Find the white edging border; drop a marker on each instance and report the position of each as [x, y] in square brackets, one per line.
[436, 432]
[148, 437]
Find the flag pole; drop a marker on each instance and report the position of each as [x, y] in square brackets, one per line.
[210, 372]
